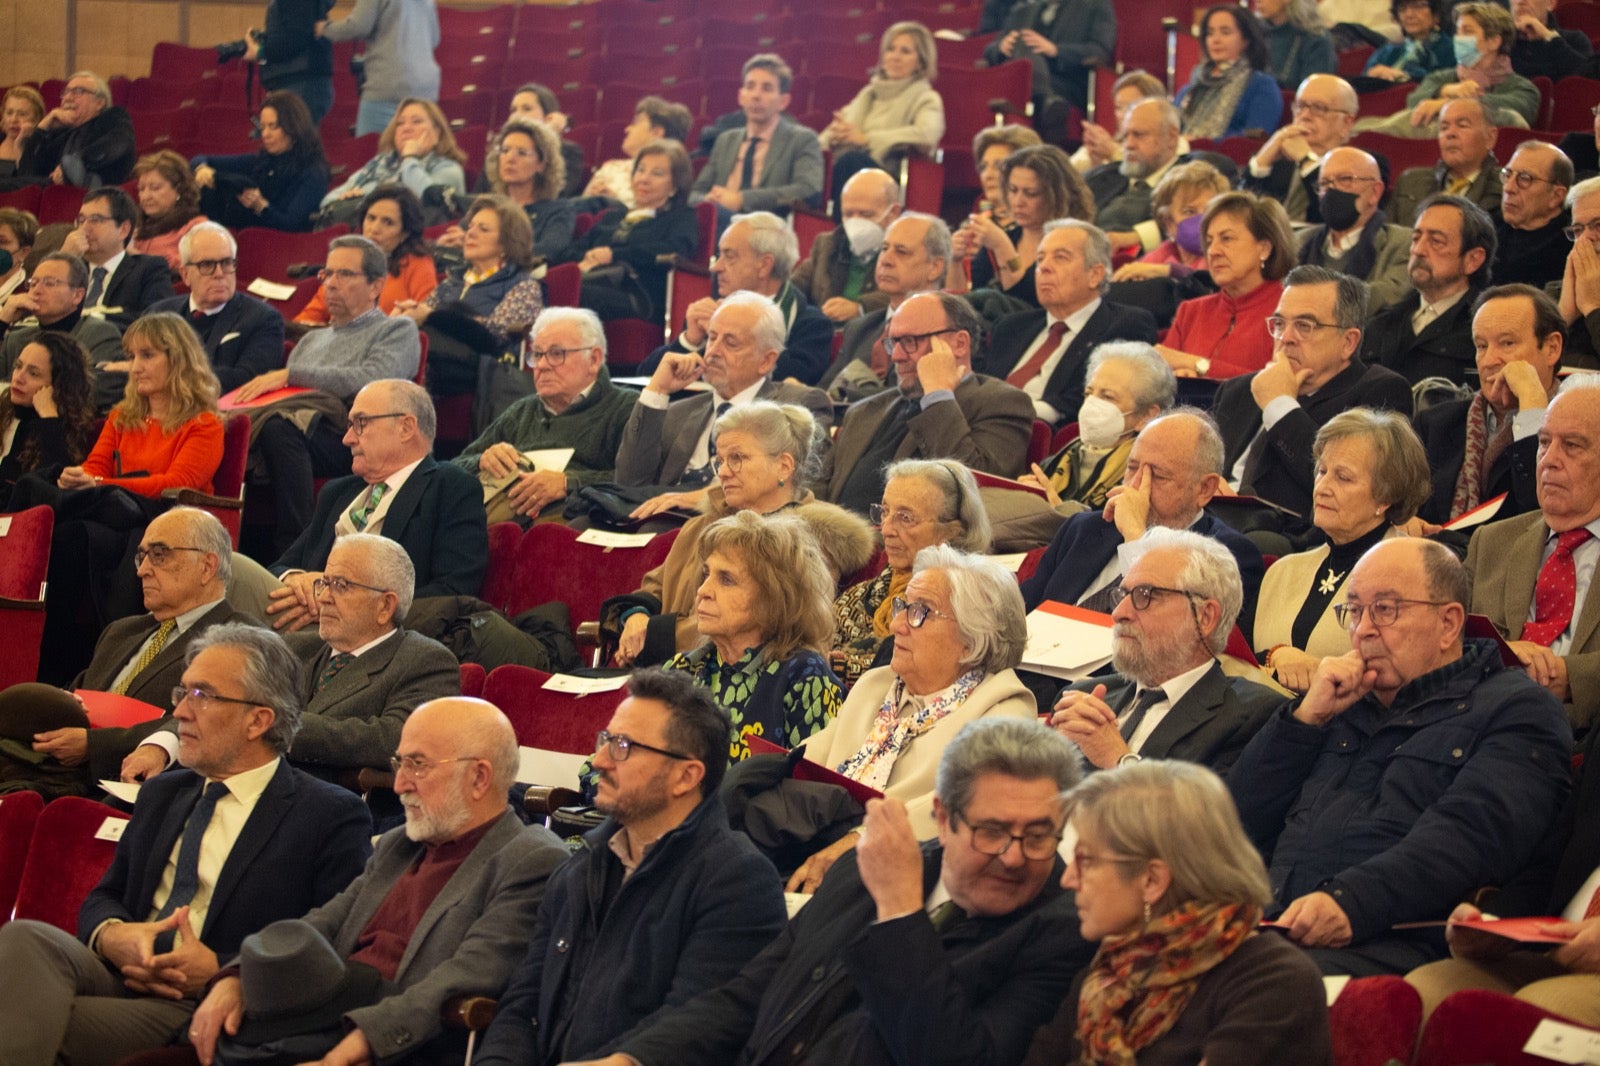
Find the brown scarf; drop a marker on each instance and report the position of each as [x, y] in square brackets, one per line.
[1488, 71]
[1479, 455]
[885, 612]
[1139, 983]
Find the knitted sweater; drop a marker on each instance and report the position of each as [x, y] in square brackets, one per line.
[341, 359]
[592, 428]
[186, 458]
[415, 174]
[401, 36]
[896, 111]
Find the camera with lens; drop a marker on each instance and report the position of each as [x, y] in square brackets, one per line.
[231, 50]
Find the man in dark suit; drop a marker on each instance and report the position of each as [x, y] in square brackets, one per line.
[433, 510]
[1467, 167]
[1062, 41]
[1488, 443]
[1270, 418]
[88, 141]
[1122, 191]
[977, 915]
[54, 301]
[942, 410]
[1429, 332]
[1541, 48]
[1044, 353]
[456, 936]
[757, 253]
[122, 285]
[767, 164]
[242, 335]
[670, 443]
[183, 562]
[1579, 294]
[233, 842]
[1169, 698]
[1531, 245]
[1172, 474]
[1287, 166]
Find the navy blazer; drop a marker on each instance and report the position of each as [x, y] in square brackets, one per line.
[437, 517]
[1443, 429]
[1064, 391]
[1443, 349]
[1086, 542]
[302, 844]
[805, 355]
[141, 282]
[243, 339]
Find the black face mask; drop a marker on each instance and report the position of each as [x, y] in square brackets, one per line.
[1339, 209]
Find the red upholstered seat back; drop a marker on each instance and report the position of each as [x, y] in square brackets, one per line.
[553, 565]
[472, 679]
[1375, 1020]
[1477, 1026]
[18, 813]
[554, 721]
[62, 872]
[24, 562]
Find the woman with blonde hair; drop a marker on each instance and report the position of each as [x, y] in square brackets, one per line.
[1168, 883]
[524, 165]
[22, 109]
[416, 149]
[899, 110]
[169, 203]
[762, 607]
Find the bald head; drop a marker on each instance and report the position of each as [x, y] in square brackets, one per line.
[1351, 171]
[1466, 136]
[466, 753]
[870, 193]
[1325, 108]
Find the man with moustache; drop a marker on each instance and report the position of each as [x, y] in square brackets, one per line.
[1149, 136]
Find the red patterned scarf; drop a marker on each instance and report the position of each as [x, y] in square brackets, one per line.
[1479, 455]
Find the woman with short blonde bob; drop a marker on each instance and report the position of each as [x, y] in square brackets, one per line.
[416, 149]
[762, 607]
[1170, 886]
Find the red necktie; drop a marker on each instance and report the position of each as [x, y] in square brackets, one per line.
[1029, 370]
[1593, 910]
[1555, 593]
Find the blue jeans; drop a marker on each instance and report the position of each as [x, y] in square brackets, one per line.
[315, 89]
[372, 116]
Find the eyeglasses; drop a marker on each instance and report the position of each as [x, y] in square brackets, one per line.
[1302, 328]
[917, 612]
[208, 267]
[98, 220]
[340, 275]
[51, 283]
[416, 767]
[882, 516]
[203, 698]
[619, 747]
[1382, 612]
[1344, 183]
[1144, 595]
[1319, 110]
[1590, 229]
[76, 90]
[912, 343]
[1086, 862]
[159, 554]
[359, 423]
[995, 840]
[1522, 179]
[733, 461]
[340, 586]
[554, 356]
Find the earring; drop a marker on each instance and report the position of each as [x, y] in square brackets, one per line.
[780, 482]
[1146, 912]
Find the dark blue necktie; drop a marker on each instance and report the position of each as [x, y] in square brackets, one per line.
[711, 445]
[186, 880]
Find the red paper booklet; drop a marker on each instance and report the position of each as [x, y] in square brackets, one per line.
[805, 770]
[230, 401]
[113, 709]
[1522, 930]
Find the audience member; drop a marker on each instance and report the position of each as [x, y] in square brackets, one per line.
[1421, 49]
[1363, 838]
[664, 902]
[1580, 282]
[1355, 237]
[1466, 167]
[1182, 194]
[1044, 353]
[18, 232]
[1541, 48]
[1123, 190]
[279, 187]
[1269, 419]
[86, 142]
[20, 114]
[391, 218]
[1297, 44]
[398, 42]
[292, 56]
[122, 285]
[574, 405]
[1371, 476]
[169, 206]
[990, 147]
[769, 165]
[242, 336]
[1429, 332]
[537, 103]
[1483, 40]
[1532, 576]
[1231, 91]
[416, 149]
[654, 119]
[1532, 246]
[1164, 877]
[524, 165]
[1486, 445]
[1169, 698]
[941, 409]
[259, 842]
[47, 412]
[1063, 43]
[54, 304]
[838, 274]
[1288, 167]
[898, 113]
[1100, 145]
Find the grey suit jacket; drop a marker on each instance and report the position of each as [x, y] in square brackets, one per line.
[1419, 183]
[987, 428]
[1504, 559]
[1210, 725]
[470, 938]
[99, 337]
[657, 445]
[792, 170]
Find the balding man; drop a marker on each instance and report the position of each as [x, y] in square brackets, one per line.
[670, 443]
[397, 489]
[87, 141]
[1580, 284]
[1415, 770]
[444, 908]
[1532, 245]
[838, 275]
[1122, 191]
[915, 257]
[1288, 166]
[1533, 576]
[757, 253]
[574, 405]
[1355, 237]
[1467, 167]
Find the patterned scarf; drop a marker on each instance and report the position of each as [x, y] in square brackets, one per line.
[1488, 71]
[885, 612]
[1213, 98]
[1139, 983]
[1480, 454]
[891, 732]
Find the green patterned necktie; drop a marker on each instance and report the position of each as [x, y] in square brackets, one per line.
[360, 515]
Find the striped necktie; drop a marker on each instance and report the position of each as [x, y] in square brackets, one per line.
[151, 650]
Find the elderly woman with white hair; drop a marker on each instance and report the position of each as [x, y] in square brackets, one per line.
[958, 630]
[925, 502]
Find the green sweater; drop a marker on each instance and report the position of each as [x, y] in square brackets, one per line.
[592, 427]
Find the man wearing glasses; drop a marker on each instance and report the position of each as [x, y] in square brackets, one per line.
[1533, 246]
[87, 141]
[574, 405]
[972, 915]
[1270, 419]
[54, 301]
[664, 902]
[1580, 284]
[242, 335]
[1355, 237]
[1415, 770]
[122, 285]
[1288, 166]
[1169, 699]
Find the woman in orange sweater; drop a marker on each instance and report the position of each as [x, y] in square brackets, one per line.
[391, 218]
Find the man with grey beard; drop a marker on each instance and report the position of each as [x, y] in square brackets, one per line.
[1169, 698]
[1149, 138]
[442, 909]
